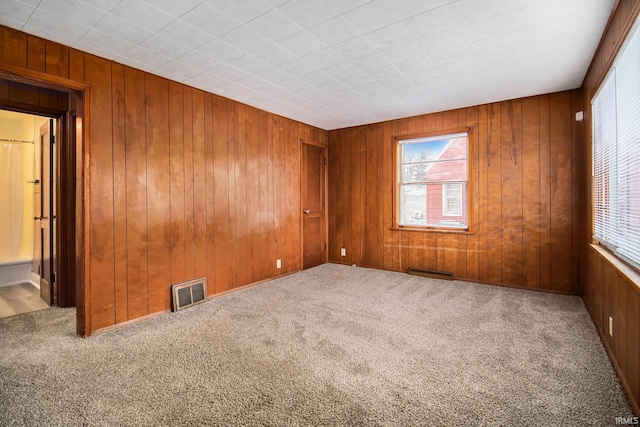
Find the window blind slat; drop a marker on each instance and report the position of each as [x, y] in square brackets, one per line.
[616, 154]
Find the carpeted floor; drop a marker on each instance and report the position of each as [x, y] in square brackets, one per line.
[333, 345]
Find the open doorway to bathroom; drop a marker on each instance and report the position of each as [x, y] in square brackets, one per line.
[27, 212]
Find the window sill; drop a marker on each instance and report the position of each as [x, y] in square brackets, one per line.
[433, 230]
[627, 271]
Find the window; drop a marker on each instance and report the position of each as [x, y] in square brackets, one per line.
[452, 199]
[432, 179]
[616, 154]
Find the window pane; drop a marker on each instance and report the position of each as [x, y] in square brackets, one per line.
[413, 205]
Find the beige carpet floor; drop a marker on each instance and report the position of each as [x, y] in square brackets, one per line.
[330, 346]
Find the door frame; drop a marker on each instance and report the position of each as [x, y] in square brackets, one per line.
[325, 215]
[73, 259]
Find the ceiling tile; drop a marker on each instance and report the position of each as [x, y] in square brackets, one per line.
[370, 16]
[353, 48]
[142, 14]
[274, 26]
[440, 42]
[58, 25]
[486, 29]
[173, 7]
[274, 74]
[106, 5]
[389, 36]
[220, 51]
[468, 11]
[249, 63]
[163, 46]
[333, 31]
[100, 40]
[228, 71]
[242, 11]
[301, 44]
[432, 22]
[73, 10]
[211, 21]
[179, 70]
[141, 54]
[245, 39]
[185, 34]
[404, 9]
[342, 6]
[342, 70]
[307, 13]
[403, 52]
[297, 67]
[16, 11]
[273, 54]
[200, 60]
[323, 58]
[113, 25]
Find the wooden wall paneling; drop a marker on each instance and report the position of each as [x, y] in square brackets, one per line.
[177, 183]
[511, 187]
[158, 192]
[293, 210]
[620, 324]
[253, 193]
[531, 192]
[279, 156]
[76, 65]
[334, 183]
[232, 219]
[472, 240]
[272, 245]
[381, 185]
[545, 192]
[57, 59]
[189, 246]
[396, 263]
[347, 137]
[119, 193]
[221, 190]
[136, 195]
[209, 194]
[14, 47]
[101, 256]
[35, 53]
[372, 202]
[199, 176]
[578, 194]
[634, 347]
[242, 242]
[48, 98]
[264, 194]
[494, 192]
[481, 226]
[561, 197]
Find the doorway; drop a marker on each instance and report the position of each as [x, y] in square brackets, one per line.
[314, 230]
[23, 173]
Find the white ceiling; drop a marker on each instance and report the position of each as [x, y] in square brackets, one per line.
[336, 63]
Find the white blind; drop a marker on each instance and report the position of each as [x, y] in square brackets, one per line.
[616, 154]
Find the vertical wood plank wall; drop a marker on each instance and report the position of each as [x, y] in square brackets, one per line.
[607, 291]
[523, 208]
[183, 183]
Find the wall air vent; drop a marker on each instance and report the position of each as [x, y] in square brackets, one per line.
[444, 275]
[189, 293]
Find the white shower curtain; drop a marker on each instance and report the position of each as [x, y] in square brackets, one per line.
[11, 201]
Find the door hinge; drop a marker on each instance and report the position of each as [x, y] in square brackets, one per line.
[53, 277]
[53, 139]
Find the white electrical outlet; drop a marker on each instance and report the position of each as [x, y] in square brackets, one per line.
[611, 326]
[278, 263]
[343, 252]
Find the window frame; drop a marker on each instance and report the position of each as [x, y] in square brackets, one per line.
[396, 184]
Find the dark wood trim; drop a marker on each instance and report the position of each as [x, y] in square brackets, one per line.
[69, 233]
[325, 216]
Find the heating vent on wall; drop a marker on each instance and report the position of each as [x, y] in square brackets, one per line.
[444, 275]
[189, 293]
